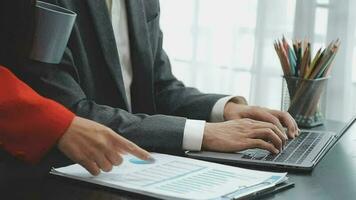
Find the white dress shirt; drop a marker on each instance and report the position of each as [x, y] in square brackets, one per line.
[194, 129]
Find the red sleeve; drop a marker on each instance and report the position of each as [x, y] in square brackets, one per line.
[29, 124]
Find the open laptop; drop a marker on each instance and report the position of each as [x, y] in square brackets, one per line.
[301, 153]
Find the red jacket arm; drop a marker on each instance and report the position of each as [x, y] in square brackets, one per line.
[29, 124]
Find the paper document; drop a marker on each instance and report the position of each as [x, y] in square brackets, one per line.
[173, 177]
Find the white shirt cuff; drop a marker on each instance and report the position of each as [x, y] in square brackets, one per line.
[217, 113]
[193, 134]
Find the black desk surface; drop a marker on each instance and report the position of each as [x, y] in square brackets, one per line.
[333, 178]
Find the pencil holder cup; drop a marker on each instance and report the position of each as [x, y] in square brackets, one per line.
[305, 100]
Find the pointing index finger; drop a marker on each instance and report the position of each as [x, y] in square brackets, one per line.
[127, 146]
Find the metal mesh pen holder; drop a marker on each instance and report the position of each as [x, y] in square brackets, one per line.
[305, 100]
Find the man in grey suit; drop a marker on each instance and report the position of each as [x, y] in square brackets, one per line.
[115, 72]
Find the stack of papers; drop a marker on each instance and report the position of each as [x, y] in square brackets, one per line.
[173, 177]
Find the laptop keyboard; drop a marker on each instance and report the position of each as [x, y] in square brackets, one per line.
[295, 151]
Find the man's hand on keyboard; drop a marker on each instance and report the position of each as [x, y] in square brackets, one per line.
[240, 111]
[240, 134]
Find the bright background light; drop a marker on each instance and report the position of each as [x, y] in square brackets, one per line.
[226, 46]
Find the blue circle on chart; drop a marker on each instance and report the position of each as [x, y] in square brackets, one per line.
[141, 162]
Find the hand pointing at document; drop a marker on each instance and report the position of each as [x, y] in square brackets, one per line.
[96, 147]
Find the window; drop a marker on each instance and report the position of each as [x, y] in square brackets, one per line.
[226, 46]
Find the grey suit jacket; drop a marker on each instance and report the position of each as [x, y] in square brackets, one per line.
[89, 79]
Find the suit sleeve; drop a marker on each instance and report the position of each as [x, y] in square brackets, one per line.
[29, 124]
[159, 133]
